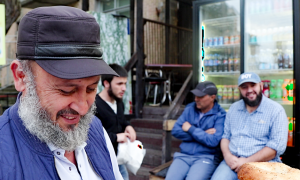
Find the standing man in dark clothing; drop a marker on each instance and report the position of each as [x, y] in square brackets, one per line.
[110, 110]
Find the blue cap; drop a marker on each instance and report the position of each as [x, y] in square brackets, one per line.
[248, 77]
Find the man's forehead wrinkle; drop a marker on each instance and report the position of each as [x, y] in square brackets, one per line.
[73, 83]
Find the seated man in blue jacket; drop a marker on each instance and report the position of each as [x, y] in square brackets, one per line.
[200, 127]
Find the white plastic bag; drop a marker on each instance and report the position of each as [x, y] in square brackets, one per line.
[131, 154]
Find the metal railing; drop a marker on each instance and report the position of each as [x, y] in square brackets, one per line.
[167, 44]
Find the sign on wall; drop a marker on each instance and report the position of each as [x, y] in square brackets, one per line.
[2, 35]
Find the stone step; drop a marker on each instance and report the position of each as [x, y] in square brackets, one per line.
[142, 173]
[159, 112]
[154, 111]
[152, 157]
[149, 123]
[150, 131]
[154, 141]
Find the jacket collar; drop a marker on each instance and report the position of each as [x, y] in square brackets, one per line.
[213, 110]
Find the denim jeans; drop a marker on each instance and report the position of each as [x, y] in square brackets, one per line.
[123, 171]
[190, 167]
[223, 172]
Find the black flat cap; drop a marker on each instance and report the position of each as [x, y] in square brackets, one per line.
[205, 88]
[64, 41]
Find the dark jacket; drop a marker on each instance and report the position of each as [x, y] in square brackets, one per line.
[196, 141]
[113, 123]
[24, 157]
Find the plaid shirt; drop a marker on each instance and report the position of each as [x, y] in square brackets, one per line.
[248, 132]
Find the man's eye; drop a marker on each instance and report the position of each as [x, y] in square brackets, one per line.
[66, 92]
[91, 90]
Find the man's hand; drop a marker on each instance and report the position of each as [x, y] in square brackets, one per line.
[231, 161]
[241, 161]
[122, 137]
[131, 132]
[186, 126]
[211, 131]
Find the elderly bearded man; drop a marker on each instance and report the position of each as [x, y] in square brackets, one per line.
[51, 132]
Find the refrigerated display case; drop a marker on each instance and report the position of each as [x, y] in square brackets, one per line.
[221, 41]
[269, 51]
[251, 36]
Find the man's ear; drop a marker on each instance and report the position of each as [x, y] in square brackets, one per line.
[18, 76]
[261, 85]
[213, 97]
[106, 84]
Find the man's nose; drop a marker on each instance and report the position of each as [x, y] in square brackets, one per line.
[80, 104]
[249, 89]
[124, 87]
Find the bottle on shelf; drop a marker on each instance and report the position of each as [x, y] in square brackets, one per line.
[220, 94]
[231, 39]
[205, 62]
[266, 88]
[291, 131]
[237, 39]
[290, 90]
[273, 87]
[236, 93]
[220, 63]
[225, 63]
[280, 60]
[214, 63]
[286, 60]
[279, 89]
[229, 94]
[210, 63]
[215, 39]
[237, 62]
[221, 41]
[230, 63]
[226, 40]
[225, 94]
[275, 59]
[284, 90]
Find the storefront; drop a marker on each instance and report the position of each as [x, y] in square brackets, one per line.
[236, 36]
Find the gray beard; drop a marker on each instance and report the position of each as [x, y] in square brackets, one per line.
[38, 122]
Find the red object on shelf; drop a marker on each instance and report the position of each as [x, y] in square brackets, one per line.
[266, 88]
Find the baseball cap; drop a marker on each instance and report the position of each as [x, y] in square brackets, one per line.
[204, 88]
[248, 77]
[64, 41]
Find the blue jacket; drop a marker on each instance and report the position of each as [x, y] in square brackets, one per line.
[196, 141]
[24, 157]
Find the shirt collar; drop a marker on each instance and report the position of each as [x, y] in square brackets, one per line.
[54, 148]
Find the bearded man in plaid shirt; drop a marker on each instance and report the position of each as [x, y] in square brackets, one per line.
[255, 129]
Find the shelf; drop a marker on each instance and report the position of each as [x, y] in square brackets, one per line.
[271, 43]
[284, 102]
[274, 19]
[271, 15]
[222, 47]
[230, 73]
[274, 71]
[220, 21]
[227, 106]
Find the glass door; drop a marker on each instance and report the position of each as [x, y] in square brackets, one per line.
[221, 53]
[269, 51]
